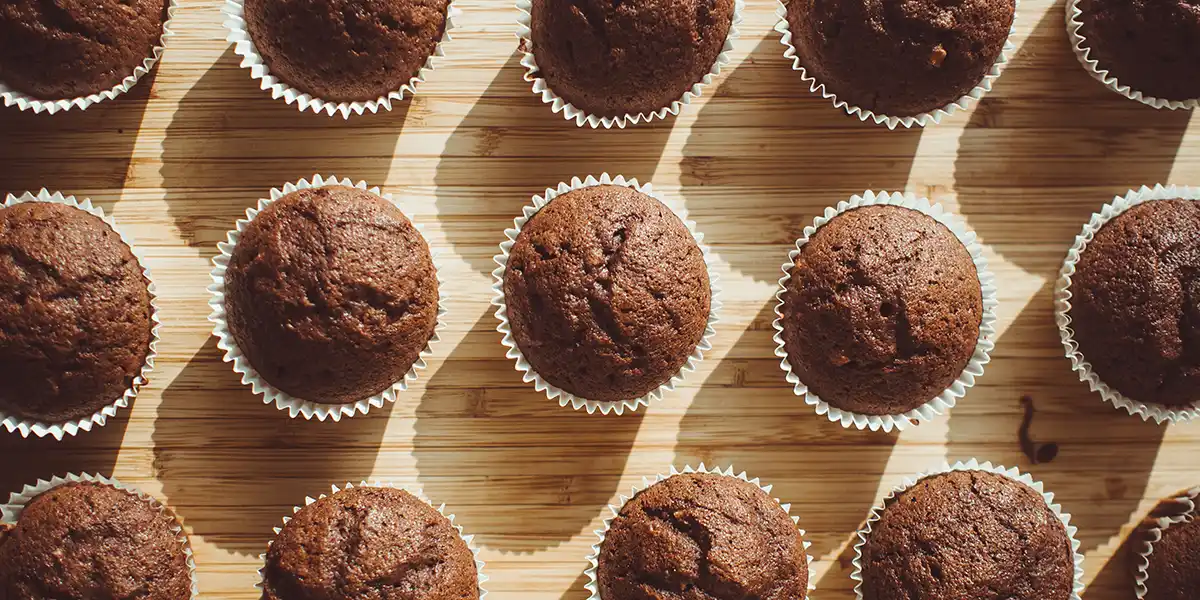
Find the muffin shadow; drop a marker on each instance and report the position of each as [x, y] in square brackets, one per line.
[25, 460]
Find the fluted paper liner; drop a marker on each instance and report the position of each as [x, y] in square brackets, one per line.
[987, 325]
[235, 23]
[1189, 500]
[241, 365]
[971, 465]
[570, 112]
[11, 512]
[1062, 306]
[28, 426]
[553, 392]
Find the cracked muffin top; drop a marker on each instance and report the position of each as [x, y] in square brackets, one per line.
[346, 50]
[75, 313]
[92, 541]
[899, 58]
[1153, 46]
[631, 57]
[1174, 566]
[331, 294]
[700, 536]
[1135, 302]
[70, 48]
[369, 543]
[607, 293]
[882, 310]
[968, 535]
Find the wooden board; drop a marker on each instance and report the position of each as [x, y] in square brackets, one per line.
[754, 161]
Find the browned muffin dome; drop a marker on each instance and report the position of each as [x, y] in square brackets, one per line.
[607, 293]
[70, 48]
[1153, 46]
[346, 50]
[968, 535]
[882, 310]
[700, 536]
[90, 541]
[331, 294]
[899, 58]
[75, 309]
[637, 56]
[1174, 569]
[369, 543]
[1135, 302]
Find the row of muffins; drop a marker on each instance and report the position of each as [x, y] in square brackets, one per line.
[326, 300]
[598, 62]
[968, 531]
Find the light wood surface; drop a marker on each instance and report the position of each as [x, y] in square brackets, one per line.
[179, 159]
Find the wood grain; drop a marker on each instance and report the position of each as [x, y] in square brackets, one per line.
[180, 158]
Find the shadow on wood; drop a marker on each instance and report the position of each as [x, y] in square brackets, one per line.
[577, 591]
[24, 461]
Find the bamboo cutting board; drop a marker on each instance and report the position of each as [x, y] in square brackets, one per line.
[183, 156]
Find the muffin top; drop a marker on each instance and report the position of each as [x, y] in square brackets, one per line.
[702, 537]
[631, 57]
[70, 48]
[1153, 46]
[91, 541]
[369, 543]
[75, 306]
[331, 294]
[882, 310]
[1174, 569]
[968, 535]
[1135, 302]
[346, 50]
[607, 293]
[899, 58]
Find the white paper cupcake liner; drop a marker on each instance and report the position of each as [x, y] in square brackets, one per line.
[26, 426]
[468, 539]
[1190, 510]
[971, 465]
[11, 97]
[1092, 66]
[11, 512]
[244, 47]
[241, 365]
[553, 392]
[572, 113]
[987, 325]
[921, 120]
[1062, 306]
[593, 559]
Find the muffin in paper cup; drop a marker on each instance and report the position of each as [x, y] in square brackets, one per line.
[26, 426]
[235, 23]
[572, 113]
[920, 120]
[553, 392]
[971, 465]
[11, 97]
[1062, 306]
[11, 512]
[1189, 511]
[419, 494]
[298, 407]
[593, 584]
[987, 325]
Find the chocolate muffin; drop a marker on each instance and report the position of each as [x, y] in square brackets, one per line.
[968, 535]
[1135, 302]
[699, 536]
[607, 293]
[76, 313]
[331, 294]
[369, 543]
[1152, 46]
[882, 310]
[1174, 567]
[91, 541]
[57, 50]
[346, 50]
[899, 58]
[632, 57]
